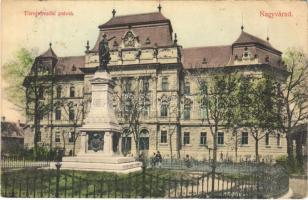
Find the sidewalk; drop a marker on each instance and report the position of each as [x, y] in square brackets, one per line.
[299, 186]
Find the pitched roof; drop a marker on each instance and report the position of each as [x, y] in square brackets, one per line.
[159, 35]
[70, 65]
[48, 54]
[148, 35]
[203, 57]
[11, 129]
[245, 38]
[145, 18]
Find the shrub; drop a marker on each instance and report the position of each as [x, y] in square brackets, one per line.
[294, 167]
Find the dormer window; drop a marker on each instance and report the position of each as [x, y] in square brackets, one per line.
[267, 59]
[74, 68]
[204, 61]
[129, 40]
[148, 41]
[115, 44]
[246, 54]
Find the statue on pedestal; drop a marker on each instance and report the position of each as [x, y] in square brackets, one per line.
[103, 53]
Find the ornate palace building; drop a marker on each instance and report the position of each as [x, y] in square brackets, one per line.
[147, 60]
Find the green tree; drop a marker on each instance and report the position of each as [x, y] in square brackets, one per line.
[217, 97]
[39, 85]
[258, 107]
[294, 95]
[14, 73]
[133, 107]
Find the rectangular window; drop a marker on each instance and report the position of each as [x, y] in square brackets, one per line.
[71, 137]
[244, 137]
[164, 84]
[127, 105]
[127, 85]
[71, 114]
[146, 110]
[187, 112]
[39, 136]
[203, 138]
[203, 108]
[203, 113]
[58, 114]
[163, 137]
[278, 140]
[267, 139]
[145, 84]
[220, 139]
[164, 110]
[72, 91]
[57, 137]
[59, 91]
[187, 88]
[203, 88]
[186, 138]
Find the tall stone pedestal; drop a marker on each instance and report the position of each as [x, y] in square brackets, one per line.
[101, 136]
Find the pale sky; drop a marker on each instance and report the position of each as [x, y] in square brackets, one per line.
[197, 23]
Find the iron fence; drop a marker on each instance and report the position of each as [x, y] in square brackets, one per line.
[206, 166]
[149, 183]
[18, 162]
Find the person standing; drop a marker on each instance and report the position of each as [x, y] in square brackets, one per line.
[159, 158]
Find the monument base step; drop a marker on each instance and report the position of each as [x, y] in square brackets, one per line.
[117, 164]
[98, 158]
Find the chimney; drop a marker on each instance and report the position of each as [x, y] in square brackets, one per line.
[3, 118]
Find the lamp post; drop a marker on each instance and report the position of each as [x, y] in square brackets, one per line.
[58, 166]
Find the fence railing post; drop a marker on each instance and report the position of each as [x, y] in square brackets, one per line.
[58, 166]
[143, 182]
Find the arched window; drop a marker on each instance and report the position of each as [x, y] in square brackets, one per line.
[72, 91]
[126, 142]
[144, 140]
[59, 91]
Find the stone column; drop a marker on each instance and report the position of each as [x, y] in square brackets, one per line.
[83, 143]
[108, 143]
[120, 144]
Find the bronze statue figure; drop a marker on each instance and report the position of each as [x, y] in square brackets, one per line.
[103, 53]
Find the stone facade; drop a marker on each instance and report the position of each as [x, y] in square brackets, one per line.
[146, 56]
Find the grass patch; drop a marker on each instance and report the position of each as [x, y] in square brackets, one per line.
[42, 183]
